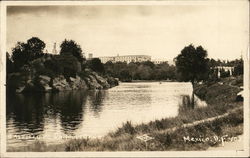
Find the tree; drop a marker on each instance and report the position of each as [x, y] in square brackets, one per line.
[36, 46]
[132, 67]
[192, 65]
[224, 73]
[149, 63]
[96, 65]
[125, 75]
[238, 69]
[23, 53]
[109, 68]
[70, 47]
[69, 65]
[144, 72]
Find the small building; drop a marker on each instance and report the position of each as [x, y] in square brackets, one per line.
[90, 56]
[225, 68]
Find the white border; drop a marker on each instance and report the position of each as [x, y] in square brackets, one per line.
[2, 79]
[3, 153]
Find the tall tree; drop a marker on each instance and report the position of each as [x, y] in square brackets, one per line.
[23, 53]
[238, 68]
[35, 45]
[192, 65]
[70, 47]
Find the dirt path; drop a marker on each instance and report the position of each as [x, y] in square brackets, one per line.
[236, 144]
[197, 122]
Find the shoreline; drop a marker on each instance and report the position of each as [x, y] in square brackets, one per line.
[138, 81]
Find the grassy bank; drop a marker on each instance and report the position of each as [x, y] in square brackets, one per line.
[220, 99]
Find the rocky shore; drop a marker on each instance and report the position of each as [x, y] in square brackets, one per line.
[21, 83]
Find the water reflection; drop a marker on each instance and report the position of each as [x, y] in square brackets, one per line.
[70, 106]
[26, 113]
[91, 113]
[96, 101]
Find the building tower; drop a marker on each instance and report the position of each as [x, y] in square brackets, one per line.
[54, 51]
[90, 55]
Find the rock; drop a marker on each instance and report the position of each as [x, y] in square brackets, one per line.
[30, 86]
[92, 83]
[43, 83]
[220, 83]
[77, 83]
[112, 81]
[17, 82]
[45, 78]
[47, 88]
[23, 82]
[72, 79]
[102, 81]
[20, 89]
[60, 84]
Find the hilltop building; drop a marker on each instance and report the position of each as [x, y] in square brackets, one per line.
[131, 58]
[125, 58]
[160, 61]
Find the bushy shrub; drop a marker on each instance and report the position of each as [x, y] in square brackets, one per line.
[96, 65]
[46, 72]
[68, 65]
[54, 65]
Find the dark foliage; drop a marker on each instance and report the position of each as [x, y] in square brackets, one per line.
[9, 64]
[23, 53]
[67, 65]
[192, 64]
[140, 71]
[96, 65]
[70, 47]
[238, 68]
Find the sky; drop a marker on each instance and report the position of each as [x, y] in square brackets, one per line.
[160, 31]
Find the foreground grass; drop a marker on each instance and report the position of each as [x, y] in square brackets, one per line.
[220, 99]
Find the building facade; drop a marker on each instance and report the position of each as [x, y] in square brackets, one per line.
[225, 68]
[126, 58]
[161, 61]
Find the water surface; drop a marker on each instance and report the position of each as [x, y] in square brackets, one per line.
[55, 117]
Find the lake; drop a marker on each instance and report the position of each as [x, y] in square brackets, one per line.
[56, 117]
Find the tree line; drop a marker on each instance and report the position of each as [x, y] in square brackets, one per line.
[29, 58]
[191, 64]
[146, 70]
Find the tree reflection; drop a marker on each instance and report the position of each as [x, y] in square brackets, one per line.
[27, 112]
[96, 100]
[71, 106]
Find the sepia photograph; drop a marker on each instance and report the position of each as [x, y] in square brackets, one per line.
[147, 77]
